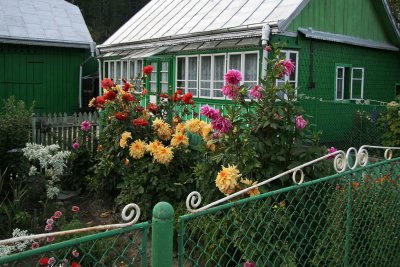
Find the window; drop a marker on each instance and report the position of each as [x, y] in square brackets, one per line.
[153, 78]
[135, 69]
[204, 75]
[164, 77]
[292, 78]
[116, 70]
[349, 83]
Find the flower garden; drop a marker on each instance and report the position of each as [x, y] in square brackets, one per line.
[162, 152]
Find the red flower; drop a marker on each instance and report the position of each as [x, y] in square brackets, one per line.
[107, 83]
[44, 261]
[163, 95]
[152, 108]
[75, 208]
[144, 91]
[176, 97]
[110, 95]
[187, 98]
[140, 122]
[121, 115]
[179, 91]
[128, 97]
[75, 264]
[57, 214]
[147, 70]
[127, 86]
[100, 101]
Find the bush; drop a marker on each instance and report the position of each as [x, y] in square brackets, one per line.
[390, 122]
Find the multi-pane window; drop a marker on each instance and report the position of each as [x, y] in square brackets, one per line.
[117, 70]
[153, 78]
[292, 78]
[204, 75]
[349, 83]
[164, 77]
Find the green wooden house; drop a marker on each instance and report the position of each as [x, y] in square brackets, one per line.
[346, 52]
[46, 52]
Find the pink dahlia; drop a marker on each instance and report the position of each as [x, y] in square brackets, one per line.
[50, 221]
[48, 227]
[75, 146]
[50, 239]
[75, 208]
[221, 125]
[331, 150]
[35, 245]
[75, 253]
[287, 67]
[301, 123]
[233, 77]
[85, 126]
[209, 112]
[57, 214]
[51, 261]
[230, 91]
[255, 92]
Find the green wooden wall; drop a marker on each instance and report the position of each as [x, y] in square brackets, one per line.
[47, 75]
[361, 18]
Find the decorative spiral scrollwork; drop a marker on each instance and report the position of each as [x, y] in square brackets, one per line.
[134, 213]
[362, 156]
[388, 153]
[193, 201]
[355, 164]
[340, 162]
[301, 176]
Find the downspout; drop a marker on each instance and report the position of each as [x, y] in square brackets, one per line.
[92, 54]
[100, 77]
[266, 32]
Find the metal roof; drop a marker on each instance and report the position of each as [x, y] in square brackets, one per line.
[161, 19]
[333, 37]
[42, 22]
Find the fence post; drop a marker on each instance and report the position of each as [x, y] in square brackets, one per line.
[162, 235]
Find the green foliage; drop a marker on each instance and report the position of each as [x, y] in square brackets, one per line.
[390, 122]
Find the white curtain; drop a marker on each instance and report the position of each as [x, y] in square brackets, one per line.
[205, 76]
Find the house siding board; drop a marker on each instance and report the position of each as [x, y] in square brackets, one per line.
[47, 75]
[360, 18]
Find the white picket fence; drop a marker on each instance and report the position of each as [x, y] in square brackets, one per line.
[61, 129]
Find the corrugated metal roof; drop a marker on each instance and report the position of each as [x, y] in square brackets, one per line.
[333, 37]
[167, 18]
[55, 21]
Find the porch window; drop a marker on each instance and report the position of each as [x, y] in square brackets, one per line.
[164, 77]
[247, 63]
[349, 83]
[187, 74]
[153, 78]
[292, 78]
[135, 70]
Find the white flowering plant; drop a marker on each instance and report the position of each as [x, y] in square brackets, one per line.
[48, 161]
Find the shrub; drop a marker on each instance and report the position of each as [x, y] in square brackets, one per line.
[391, 124]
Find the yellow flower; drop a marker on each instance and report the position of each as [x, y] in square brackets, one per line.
[205, 131]
[210, 145]
[145, 115]
[157, 123]
[179, 138]
[393, 104]
[164, 132]
[193, 126]
[252, 192]
[163, 155]
[124, 139]
[180, 128]
[153, 146]
[92, 102]
[227, 179]
[137, 149]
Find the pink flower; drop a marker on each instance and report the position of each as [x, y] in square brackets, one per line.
[85, 126]
[50, 221]
[35, 245]
[255, 92]
[221, 125]
[75, 253]
[233, 77]
[57, 214]
[51, 261]
[209, 112]
[331, 150]
[230, 90]
[301, 123]
[287, 67]
[75, 146]
[249, 264]
[75, 208]
[267, 48]
[50, 239]
[48, 227]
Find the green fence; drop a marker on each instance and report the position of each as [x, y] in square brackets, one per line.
[121, 247]
[348, 219]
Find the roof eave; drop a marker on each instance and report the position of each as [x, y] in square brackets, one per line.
[55, 43]
[392, 19]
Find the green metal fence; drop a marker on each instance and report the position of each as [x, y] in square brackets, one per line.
[347, 219]
[120, 247]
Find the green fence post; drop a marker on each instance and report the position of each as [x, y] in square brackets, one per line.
[162, 235]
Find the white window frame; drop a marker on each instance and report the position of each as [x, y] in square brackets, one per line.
[161, 81]
[357, 79]
[212, 80]
[342, 82]
[296, 69]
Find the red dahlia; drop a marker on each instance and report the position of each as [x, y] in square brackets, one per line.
[128, 97]
[127, 86]
[187, 98]
[107, 83]
[140, 122]
[110, 95]
[152, 108]
[121, 115]
[147, 70]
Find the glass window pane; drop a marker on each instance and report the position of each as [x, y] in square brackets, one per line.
[219, 68]
[235, 62]
[339, 89]
[118, 71]
[205, 68]
[293, 58]
[357, 73]
[111, 73]
[105, 71]
[164, 66]
[192, 72]
[139, 67]
[125, 69]
[250, 67]
[192, 84]
[132, 73]
[357, 87]
[340, 73]
[217, 89]
[164, 87]
[180, 69]
[153, 87]
[164, 77]
[180, 84]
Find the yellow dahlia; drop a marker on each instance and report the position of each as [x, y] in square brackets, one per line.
[137, 149]
[124, 139]
[193, 125]
[210, 145]
[157, 123]
[205, 131]
[179, 138]
[227, 179]
[153, 146]
[92, 102]
[164, 131]
[145, 115]
[252, 192]
[163, 155]
[180, 128]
